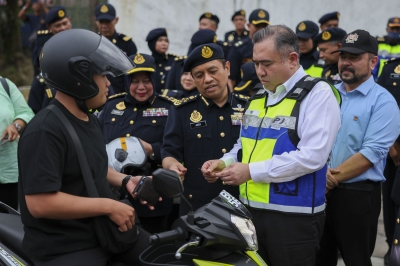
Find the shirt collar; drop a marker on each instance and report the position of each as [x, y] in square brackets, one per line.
[208, 102]
[364, 87]
[288, 84]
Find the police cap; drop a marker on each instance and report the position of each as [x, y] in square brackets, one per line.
[259, 16]
[359, 42]
[330, 16]
[249, 77]
[330, 35]
[154, 34]
[210, 16]
[394, 22]
[143, 62]
[240, 12]
[105, 11]
[307, 29]
[55, 14]
[203, 36]
[203, 54]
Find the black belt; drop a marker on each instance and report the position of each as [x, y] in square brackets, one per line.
[367, 185]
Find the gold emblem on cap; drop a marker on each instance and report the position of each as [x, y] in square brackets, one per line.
[326, 35]
[242, 13]
[396, 20]
[351, 38]
[397, 70]
[261, 14]
[231, 38]
[338, 15]
[41, 55]
[104, 9]
[208, 15]
[302, 26]
[215, 39]
[61, 13]
[206, 52]
[195, 116]
[139, 59]
[120, 106]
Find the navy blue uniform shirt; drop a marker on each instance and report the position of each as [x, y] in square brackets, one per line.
[239, 54]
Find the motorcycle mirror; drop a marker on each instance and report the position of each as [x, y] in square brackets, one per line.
[167, 183]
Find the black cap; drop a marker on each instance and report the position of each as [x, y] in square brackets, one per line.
[203, 36]
[307, 29]
[330, 35]
[249, 77]
[240, 12]
[359, 42]
[203, 54]
[330, 16]
[143, 62]
[105, 11]
[259, 16]
[55, 14]
[154, 34]
[210, 16]
[394, 22]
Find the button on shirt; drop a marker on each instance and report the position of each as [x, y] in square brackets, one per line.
[370, 125]
[319, 122]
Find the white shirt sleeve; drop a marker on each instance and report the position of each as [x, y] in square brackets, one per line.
[318, 125]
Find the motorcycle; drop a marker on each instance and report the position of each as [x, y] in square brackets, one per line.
[219, 233]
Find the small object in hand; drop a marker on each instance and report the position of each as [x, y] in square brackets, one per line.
[145, 191]
[4, 141]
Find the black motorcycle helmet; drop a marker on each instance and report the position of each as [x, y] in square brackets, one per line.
[70, 58]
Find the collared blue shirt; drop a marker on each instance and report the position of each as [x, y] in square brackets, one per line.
[370, 124]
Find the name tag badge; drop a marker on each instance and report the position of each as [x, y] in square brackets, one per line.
[198, 124]
[236, 119]
[395, 76]
[252, 112]
[117, 112]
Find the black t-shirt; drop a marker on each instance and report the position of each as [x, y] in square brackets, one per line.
[48, 163]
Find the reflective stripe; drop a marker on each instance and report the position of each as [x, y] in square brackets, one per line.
[283, 208]
[123, 144]
[279, 121]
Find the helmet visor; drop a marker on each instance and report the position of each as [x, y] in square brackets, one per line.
[109, 59]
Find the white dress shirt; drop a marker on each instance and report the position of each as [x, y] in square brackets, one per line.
[318, 125]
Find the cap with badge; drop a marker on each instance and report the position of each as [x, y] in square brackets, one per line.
[330, 35]
[105, 11]
[330, 16]
[143, 62]
[201, 37]
[240, 12]
[55, 14]
[359, 42]
[203, 54]
[249, 78]
[393, 22]
[259, 16]
[156, 33]
[307, 29]
[210, 16]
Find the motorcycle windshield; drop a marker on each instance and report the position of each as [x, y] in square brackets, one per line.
[109, 59]
[232, 203]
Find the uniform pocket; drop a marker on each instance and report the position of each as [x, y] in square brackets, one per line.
[290, 188]
[199, 142]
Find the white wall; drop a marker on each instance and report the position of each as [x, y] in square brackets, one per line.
[180, 17]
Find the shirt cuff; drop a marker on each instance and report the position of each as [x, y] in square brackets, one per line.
[258, 172]
[370, 155]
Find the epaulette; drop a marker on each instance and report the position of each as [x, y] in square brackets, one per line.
[238, 43]
[380, 39]
[43, 32]
[124, 37]
[117, 95]
[241, 96]
[165, 97]
[179, 58]
[183, 101]
[174, 55]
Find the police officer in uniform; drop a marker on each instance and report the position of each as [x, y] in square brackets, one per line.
[208, 21]
[142, 113]
[106, 20]
[309, 55]
[330, 20]
[203, 126]
[158, 42]
[242, 51]
[388, 46]
[240, 33]
[328, 41]
[249, 79]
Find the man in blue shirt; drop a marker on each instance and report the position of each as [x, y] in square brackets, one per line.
[370, 124]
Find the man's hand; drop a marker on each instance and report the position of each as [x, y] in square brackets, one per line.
[394, 155]
[179, 168]
[235, 174]
[122, 215]
[331, 181]
[130, 187]
[12, 133]
[211, 167]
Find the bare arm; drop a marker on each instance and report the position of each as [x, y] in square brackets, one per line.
[22, 12]
[352, 167]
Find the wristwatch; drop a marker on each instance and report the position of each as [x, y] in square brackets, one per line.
[123, 185]
[18, 126]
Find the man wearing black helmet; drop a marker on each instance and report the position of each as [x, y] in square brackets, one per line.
[55, 207]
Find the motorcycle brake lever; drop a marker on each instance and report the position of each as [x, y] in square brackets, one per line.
[195, 243]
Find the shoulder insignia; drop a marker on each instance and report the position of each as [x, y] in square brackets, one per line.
[42, 32]
[241, 96]
[380, 39]
[183, 101]
[168, 98]
[49, 93]
[126, 38]
[174, 55]
[117, 95]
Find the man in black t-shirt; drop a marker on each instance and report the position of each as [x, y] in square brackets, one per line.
[55, 208]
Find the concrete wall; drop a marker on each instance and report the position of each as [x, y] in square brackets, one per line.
[180, 17]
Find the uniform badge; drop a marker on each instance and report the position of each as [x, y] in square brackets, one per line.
[139, 59]
[396, 20]
[167, 68]
[302, 26]
[355, 118]
[120, 106]
[326, 35]
[236, 119]
[215, 39]
[195, 116]
[117, 112]
[239, 108]
[397, 70]
[208, 15]
[242, 13]
[61, 13]
[206, 52]
[155, 112]
[261, 14]
[352, 38]
[328, 73]
[231, 38]
[104, 9]
[338, 15]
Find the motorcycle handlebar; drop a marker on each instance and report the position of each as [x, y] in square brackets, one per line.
[168, 235]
